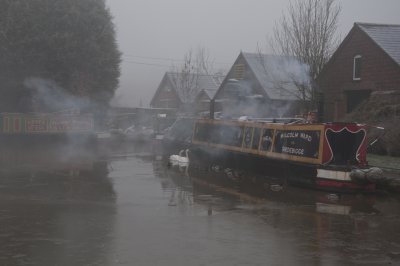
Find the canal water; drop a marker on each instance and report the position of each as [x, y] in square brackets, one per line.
[128, 206]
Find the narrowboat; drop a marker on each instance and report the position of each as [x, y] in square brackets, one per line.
[329, 156]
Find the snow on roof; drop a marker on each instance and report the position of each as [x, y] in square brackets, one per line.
[188, 86]
[210, 92]
[279, 75]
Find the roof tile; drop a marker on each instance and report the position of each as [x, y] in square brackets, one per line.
[386, 36]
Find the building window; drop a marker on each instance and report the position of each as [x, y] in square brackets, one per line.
[357, 67]
[239, 71]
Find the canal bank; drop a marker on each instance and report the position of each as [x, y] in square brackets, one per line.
[391, 171]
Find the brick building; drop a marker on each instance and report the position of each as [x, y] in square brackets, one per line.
[366, 62]
[261, 85]
[203, 99]
[185, 92]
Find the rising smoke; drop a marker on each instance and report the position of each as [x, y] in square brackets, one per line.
[47, 96]
[273, 86]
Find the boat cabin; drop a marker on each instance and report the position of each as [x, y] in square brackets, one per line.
[340, 144]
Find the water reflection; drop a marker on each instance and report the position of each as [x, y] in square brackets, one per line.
[311, 226]
[56, 206]
[137, 210]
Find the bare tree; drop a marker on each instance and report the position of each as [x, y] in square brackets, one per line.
[287, 77]
[308, 31]
[186, 76]
[204, 62]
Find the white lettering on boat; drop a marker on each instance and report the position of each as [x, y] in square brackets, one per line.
[292, 150]
[286, 135]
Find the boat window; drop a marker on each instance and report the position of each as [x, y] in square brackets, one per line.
[215, 134]
[248, 134]
[235, 137]
[256, 138]
[226, 135]
[238, 136]
[222, 134]
[266, 140]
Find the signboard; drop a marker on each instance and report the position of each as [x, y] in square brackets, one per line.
[11, 123]
[35, 124]
[70, 124]
[303, 143]
[45, 123]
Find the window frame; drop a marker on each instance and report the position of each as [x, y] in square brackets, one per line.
[355, 58]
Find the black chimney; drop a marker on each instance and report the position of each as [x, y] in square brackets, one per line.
[212, 106]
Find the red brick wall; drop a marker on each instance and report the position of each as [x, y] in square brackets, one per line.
[202, 103]
[166, 98]
[379, 73]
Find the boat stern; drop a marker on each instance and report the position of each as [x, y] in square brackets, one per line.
[344, 165]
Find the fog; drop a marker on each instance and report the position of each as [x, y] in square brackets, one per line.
[48, 96]
[153, 35]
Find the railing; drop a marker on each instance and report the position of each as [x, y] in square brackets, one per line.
[284, 120]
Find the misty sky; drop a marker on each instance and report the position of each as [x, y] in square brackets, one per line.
[154, 34]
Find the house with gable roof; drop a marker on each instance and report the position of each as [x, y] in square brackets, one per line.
[185, 91]
[203, 99]
[366, 64]
[261, 85]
